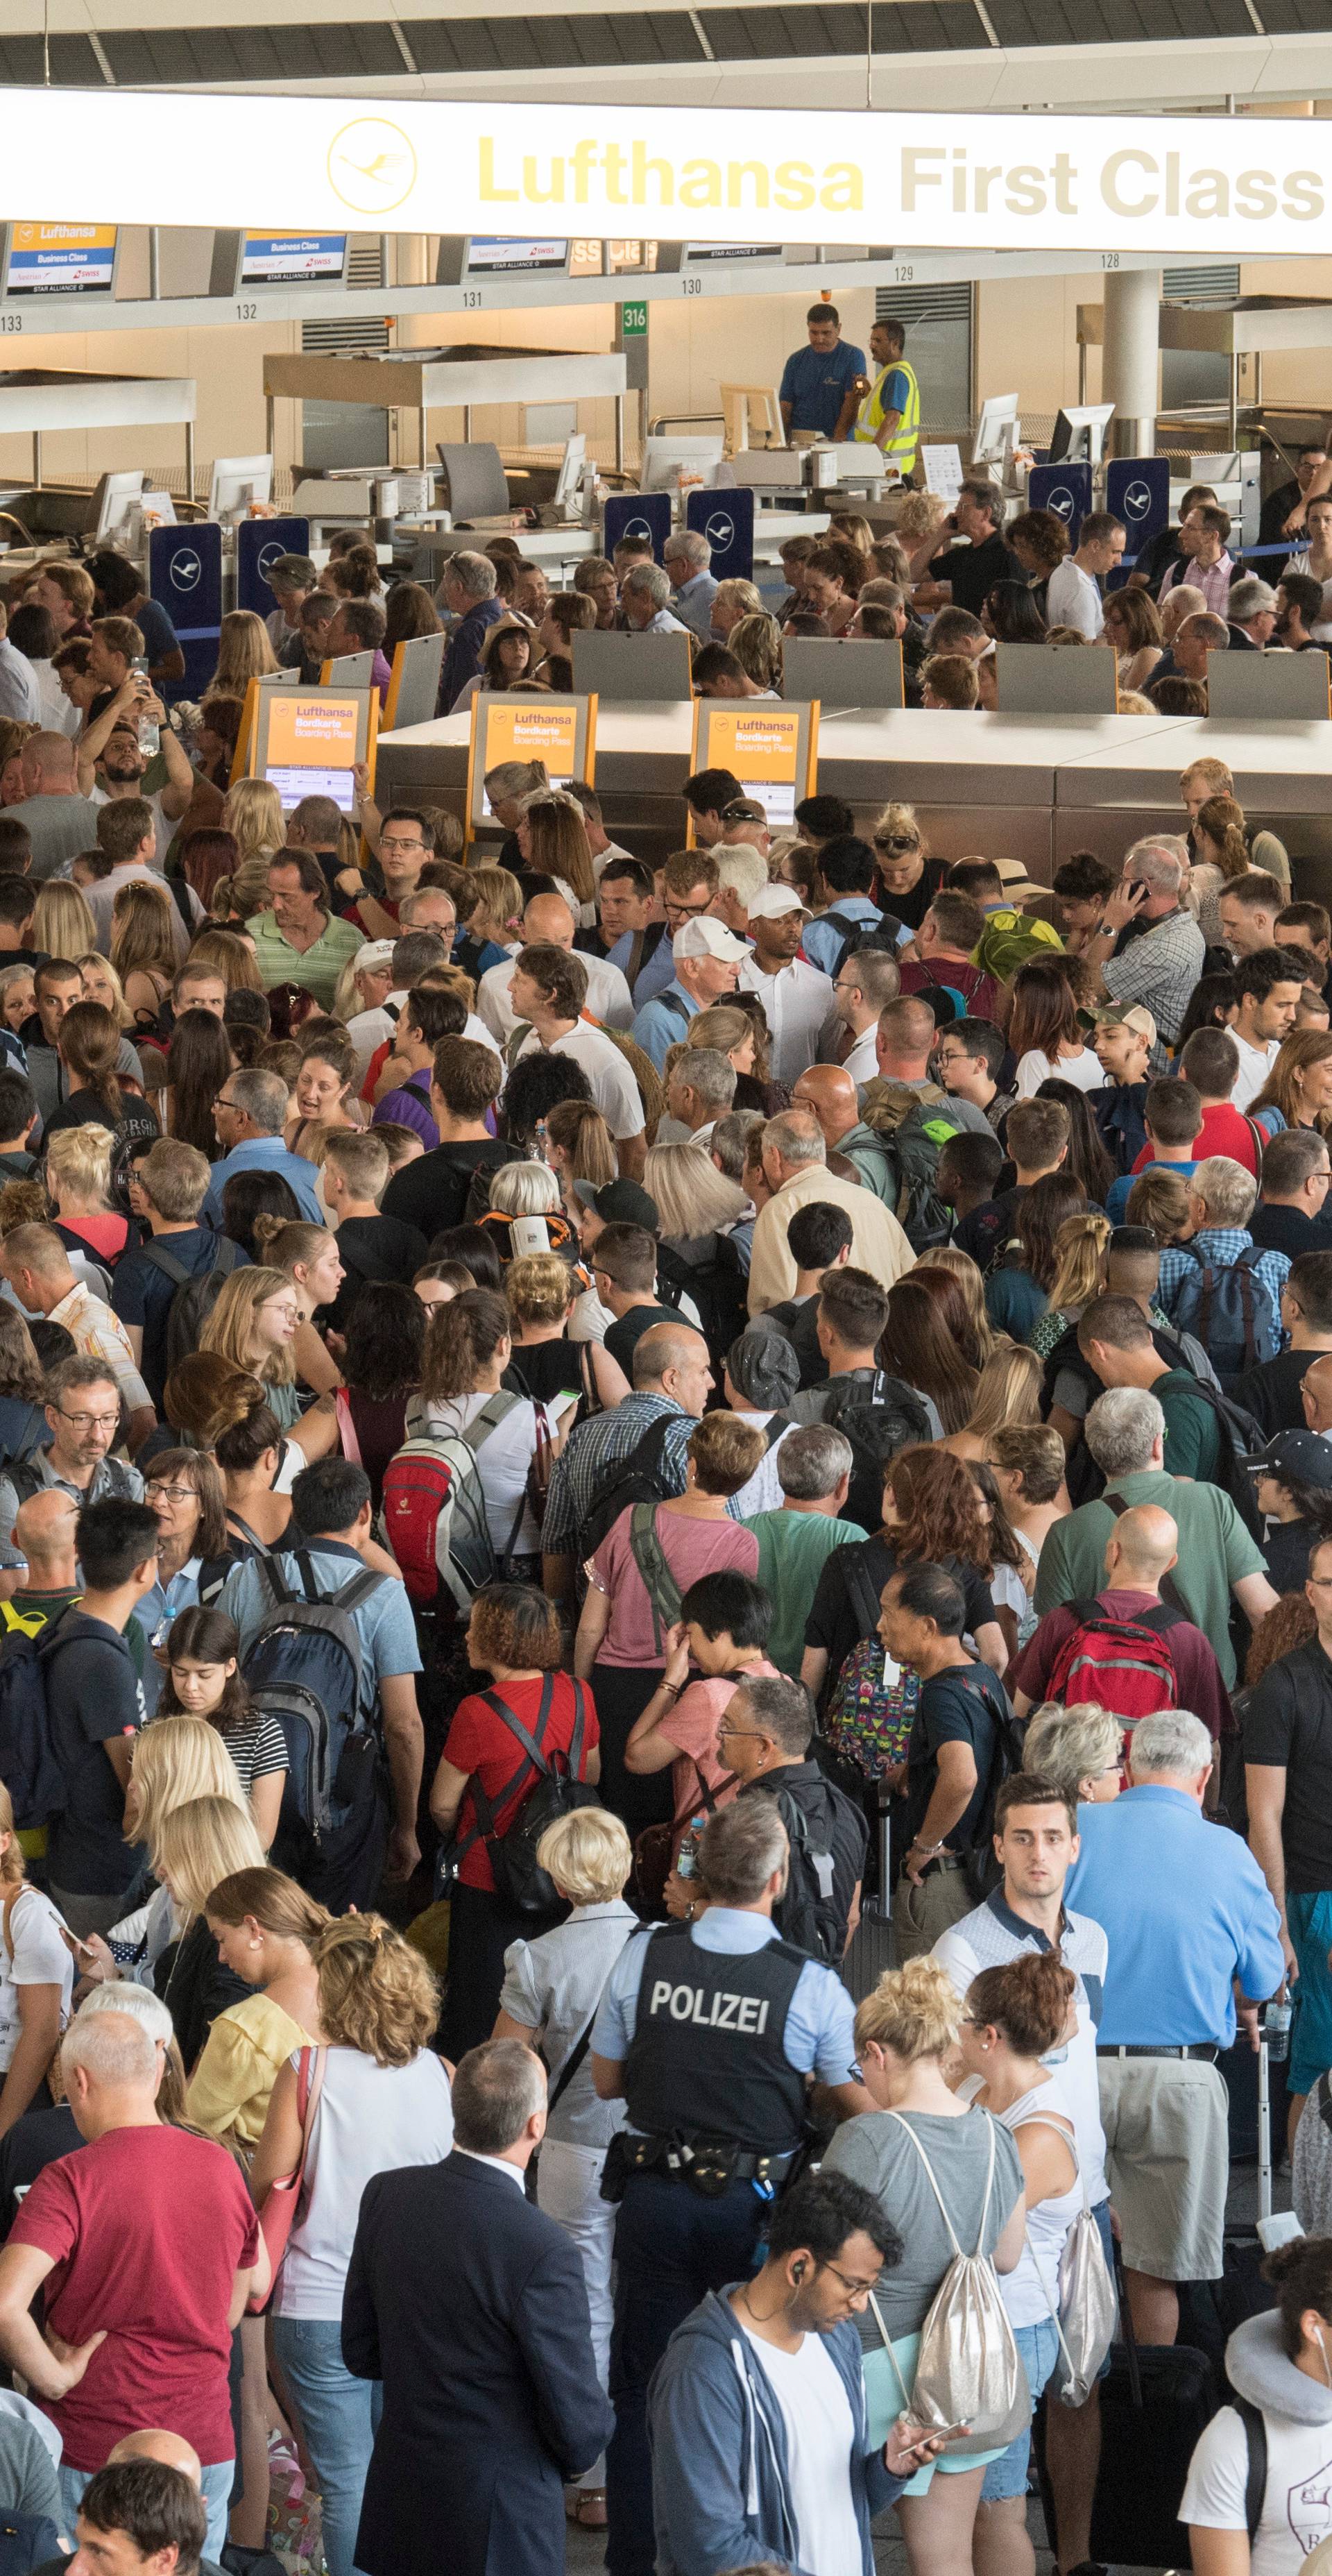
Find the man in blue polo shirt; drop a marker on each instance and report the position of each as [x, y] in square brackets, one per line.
[1189, 1918]
[816, 380]
[249, 1113]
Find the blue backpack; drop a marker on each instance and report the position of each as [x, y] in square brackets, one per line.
[28, 1766]
[303, 1667]
[1231, 1312]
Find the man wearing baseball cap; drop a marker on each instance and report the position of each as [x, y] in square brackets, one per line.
[1123, 1035]
[706, 958]
[796, 998]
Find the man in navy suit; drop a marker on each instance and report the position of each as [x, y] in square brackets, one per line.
[469, 2304]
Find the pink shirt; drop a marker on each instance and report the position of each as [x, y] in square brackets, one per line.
[692, 1724]
[691, 1548]
[1214, 583]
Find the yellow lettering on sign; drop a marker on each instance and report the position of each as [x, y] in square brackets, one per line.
[490, 194]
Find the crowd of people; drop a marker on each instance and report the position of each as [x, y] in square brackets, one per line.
[697, 1508]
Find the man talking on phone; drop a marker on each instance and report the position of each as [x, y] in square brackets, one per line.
[1147, 947]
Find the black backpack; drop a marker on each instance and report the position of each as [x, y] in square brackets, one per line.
[718, 1289]
[642, 1477]
[981, 1870]
[807, 1914]
[555, 1790]
[884, 934]
[879, 1416]
[196, 1294]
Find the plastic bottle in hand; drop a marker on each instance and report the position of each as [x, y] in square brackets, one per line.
[687, 1864]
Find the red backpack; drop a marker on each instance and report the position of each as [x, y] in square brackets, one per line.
[1124, 1665]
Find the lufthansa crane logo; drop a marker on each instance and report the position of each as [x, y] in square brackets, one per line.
[371, 166]
[720, 532]
[186, 571]
[1138, 500]
[641, 530]
[268, 556]
[1060, 501]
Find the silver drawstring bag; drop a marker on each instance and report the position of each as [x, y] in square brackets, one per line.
[969, 2370]
[1088, 2309]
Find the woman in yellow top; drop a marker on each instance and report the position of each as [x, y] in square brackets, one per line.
[263, 1925]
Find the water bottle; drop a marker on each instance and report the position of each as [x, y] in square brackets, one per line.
[1276, 2031]
[150, 736]
[687, 1864]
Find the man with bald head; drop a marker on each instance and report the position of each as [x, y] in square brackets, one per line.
[1316, 1395]
[59, 822]
[829, 1093]
[795, 1167]
[170, 2450]
[44, 1536]
[672, 1382]
[1133, 1613]
[548, 923]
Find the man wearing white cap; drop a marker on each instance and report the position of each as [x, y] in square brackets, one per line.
[795, 996]
[707, 958]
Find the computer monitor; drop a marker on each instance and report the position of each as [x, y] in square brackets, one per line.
[996, 432]
[120, 507]
[665, 458]
[569, 481]
[1079, 433]
[238, 480]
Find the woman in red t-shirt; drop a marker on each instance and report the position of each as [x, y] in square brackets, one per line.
[513, 1638]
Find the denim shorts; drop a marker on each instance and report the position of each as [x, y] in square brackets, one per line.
[1039, 2346]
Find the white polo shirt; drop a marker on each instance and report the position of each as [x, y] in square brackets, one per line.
[1255, 1066]
[613, 1086]
[608, 996]
[796, 1001]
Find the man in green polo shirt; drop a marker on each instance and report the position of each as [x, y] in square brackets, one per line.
[299, 942]
[1125, 1433]
[1115, 1338]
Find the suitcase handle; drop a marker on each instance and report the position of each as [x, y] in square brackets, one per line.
[1126, 2330]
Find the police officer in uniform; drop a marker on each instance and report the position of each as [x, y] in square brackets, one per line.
[708, 2030]
[888, 414]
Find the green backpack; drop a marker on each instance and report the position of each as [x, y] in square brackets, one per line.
[1009, 938]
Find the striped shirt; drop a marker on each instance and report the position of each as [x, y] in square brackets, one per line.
[605, 1442]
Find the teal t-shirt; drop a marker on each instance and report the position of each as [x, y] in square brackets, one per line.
[1192, 1434]
[794, 1547]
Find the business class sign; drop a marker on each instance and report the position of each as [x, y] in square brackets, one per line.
[1168, 184]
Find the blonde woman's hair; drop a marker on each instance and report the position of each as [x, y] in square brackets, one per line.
[691, 1195]
[275, 1903]
[13, 1867]
[724, 1025]
[245, 892]
[741, 595]
[756, 642]
[225, 953]
[914, 2010]
[588, 1854]
[524, 1189]
[1066, 1745]
[176, 1761]
[500, 893]
[1079, 1252]
[141, 933]
[244, 653]
[540, 1288]
[579, 1128]
[120, 1011]
[951, 1257]
[252, 813]
[282, 1241]
[1009, 1389]
[200, 1844]
[900, 819]
[62, 921]
[78, 1159]
[920, 514]
[375, 1992]
[231, 1327]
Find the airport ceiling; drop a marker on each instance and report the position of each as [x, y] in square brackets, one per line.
[931, 54]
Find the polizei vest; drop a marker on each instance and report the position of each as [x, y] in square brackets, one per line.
[707, 2057]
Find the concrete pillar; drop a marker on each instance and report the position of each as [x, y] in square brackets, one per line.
[1130, 358]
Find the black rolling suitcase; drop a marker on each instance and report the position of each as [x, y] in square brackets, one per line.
[1155, 2401]
[869, 1950]
[1209, 2311]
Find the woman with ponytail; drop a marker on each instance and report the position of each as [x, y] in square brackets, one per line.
[468, 1348]
[88, 1045]
[1015, 2015]
[1080, 1248]
[1281, 2364]
[904, 2031]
